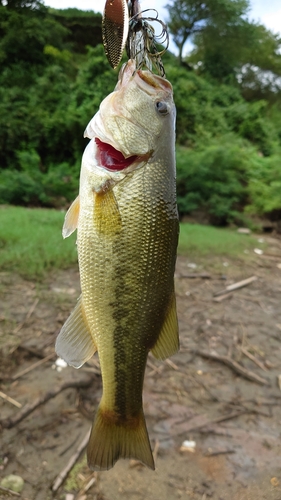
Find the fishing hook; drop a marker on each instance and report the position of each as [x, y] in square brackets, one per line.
[124, 25]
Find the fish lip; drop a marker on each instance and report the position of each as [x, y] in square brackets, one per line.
[150, 83]
[145, 79]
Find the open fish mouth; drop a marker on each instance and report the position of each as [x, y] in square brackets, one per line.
[112, 159]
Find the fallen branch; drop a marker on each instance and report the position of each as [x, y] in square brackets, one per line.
[236, 286]
[72, 461]
[236, 367]
[8, 423]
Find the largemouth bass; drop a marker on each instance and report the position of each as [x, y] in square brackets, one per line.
[127, 232]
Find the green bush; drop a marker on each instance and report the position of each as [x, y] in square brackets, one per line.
[250, 121]
[213, 179]
[265, 186]
[32, 186]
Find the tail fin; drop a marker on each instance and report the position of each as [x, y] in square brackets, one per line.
[110, 441]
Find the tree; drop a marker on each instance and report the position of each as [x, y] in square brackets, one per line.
[189, 17]
[260, 75]
[244, 52]
[20, 4]
[84, 28]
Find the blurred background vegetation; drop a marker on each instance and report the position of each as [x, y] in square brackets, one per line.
[54, 74]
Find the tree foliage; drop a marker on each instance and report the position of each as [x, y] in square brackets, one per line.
[54, 75]
[189, 17]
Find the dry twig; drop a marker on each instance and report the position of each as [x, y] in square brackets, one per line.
[253, 358]
[8, 423]
[205, 276]
[33, 366]
[8, 492]
[10, 400]
[171, 364]
[213, 396]
[223, 297]
[155, 369]
[219, 452]
[236, 367]
[236, 286]
[156, 449]
[90, 481]
[72, 461]
[18, 328]
[201, 421]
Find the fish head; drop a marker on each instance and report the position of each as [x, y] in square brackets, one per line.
[137, 118]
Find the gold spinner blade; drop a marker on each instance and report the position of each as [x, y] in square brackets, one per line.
[115, 28]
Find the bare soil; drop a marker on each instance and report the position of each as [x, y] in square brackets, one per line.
[235, 422]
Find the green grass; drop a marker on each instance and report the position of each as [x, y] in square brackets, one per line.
[32, 245]
[198, 240]
[31, 242]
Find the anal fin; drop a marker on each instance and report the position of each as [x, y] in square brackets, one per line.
[71, 218]
[75, 343]
[167, 343]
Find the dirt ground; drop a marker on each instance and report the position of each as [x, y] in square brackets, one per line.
[229, 406]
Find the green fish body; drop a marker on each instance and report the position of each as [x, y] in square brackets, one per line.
[127, 233]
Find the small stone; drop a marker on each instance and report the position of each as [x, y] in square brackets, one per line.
[244, 230]
[12, 482]
[69, 496]
[274, 481]
[188, 446]
[135, 464]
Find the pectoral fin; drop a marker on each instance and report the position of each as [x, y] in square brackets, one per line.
[75, 343]
[107, 217]
[167, 343]
[71, 218]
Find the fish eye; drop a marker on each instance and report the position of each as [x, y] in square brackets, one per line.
[162, 107]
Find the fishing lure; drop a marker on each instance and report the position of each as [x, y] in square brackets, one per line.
[124, 25]
[115, 28]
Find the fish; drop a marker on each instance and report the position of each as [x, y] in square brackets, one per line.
[127, 233]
